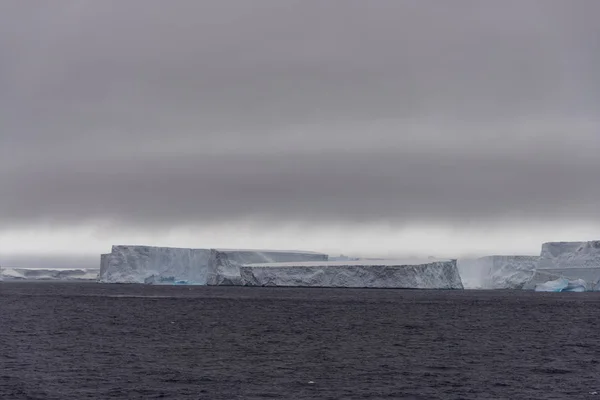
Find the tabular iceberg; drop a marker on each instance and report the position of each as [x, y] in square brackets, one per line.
[134, 264]
[497, 272]
[30, 274]
[356, 274]
[225, 264]
[146, 264]
[572, 261]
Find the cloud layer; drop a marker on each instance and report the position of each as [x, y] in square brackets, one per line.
[411, 112]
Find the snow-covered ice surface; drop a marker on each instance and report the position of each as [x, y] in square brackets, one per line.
[31, 274]
[569, 260]
[497, 272]
[407, 274]
[160, 265]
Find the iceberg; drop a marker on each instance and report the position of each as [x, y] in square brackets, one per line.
[133, 264]
[562, 285]
[160, 265]
[497, 272]
[39, 274]
[572, 261]
[225, 264]
[405, 274]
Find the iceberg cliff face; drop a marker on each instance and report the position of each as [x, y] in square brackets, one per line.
[557, 255]
[41, 274]
[497, 272]
[572, 261]
[225, 264]
[355, 274]
[133, 264]
[146, 264]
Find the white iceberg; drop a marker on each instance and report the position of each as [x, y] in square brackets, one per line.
[160, 265]
[133, 264]
[225, 264]
[406, 274]
[569, 260]
[47, 274]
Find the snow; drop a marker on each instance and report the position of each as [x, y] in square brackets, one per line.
[497, 272]
[146, 264]
[88, 274]
[568, 260]
[407, 274]
[562, 285]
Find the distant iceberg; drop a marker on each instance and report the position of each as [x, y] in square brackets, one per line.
[47, 274]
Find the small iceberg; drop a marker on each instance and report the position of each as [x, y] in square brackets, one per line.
[562, 285]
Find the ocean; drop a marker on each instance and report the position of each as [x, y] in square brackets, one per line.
[97, 341]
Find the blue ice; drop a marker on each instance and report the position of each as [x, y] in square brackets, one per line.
[562, 285]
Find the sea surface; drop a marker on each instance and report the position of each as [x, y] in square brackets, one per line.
[93, 341]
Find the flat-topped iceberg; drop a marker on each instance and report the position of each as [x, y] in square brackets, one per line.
[572, 261]
[45, 274]
[405, 274]
[225, 264]
[556, 255]
[133, 264]
[159, 265]
[497, 272]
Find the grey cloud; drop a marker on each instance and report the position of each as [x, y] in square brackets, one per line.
[156, 114]
[320, 188]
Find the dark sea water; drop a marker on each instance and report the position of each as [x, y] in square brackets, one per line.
[93, 341]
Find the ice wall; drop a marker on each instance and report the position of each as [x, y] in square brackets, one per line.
[570, 255]
[134, 264]
[225, 264]
[355, 274]
[146, 264]
[497, 272]
[568, 260]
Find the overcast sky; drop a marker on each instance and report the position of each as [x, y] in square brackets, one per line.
[348, 126]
